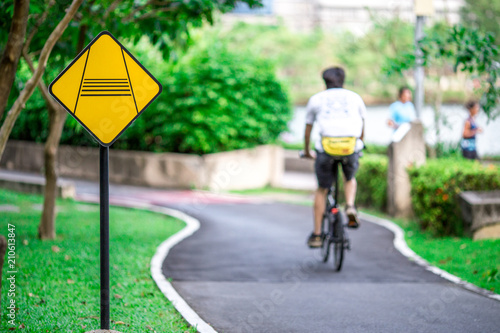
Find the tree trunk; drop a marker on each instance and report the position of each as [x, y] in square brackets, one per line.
[3, 250]
[57, 116]
[12, 53]
[26, 93]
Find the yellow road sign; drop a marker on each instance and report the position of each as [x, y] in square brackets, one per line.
[105, 88]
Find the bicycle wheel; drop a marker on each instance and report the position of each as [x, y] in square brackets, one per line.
[325, 246]
[338, 241]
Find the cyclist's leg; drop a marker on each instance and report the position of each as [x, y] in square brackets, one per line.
[319, 208]
[323, 168]
[349, 167]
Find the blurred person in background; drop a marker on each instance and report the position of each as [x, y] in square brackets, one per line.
[468, 143]
[403, 110]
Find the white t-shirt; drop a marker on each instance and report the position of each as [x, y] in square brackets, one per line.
[338, 112]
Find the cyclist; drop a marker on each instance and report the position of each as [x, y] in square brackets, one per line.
[340, 115]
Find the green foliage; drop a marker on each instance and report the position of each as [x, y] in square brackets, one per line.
[463, 48]
[165, 24]
[435, 187]
[482, 15]
[477, 54]
[215, 100]
[365, 55]
[299, 57]
[373, 148]
[475, 261]
[372, 181]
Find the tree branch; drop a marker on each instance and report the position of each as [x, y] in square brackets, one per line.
[37, 25]
[110, 9]
[156, 11]
[26, 93]
[13, 49]
[165, 7]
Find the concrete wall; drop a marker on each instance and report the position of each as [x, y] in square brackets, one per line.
[234, 170]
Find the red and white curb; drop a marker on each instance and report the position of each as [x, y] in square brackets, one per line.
[402, 247]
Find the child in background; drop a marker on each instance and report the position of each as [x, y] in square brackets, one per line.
[468, 143]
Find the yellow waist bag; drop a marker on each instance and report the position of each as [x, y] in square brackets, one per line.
[338, 146]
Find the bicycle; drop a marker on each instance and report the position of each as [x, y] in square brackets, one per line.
[333, 226]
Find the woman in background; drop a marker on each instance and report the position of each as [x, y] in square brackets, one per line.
[468, 143]
[402, 111]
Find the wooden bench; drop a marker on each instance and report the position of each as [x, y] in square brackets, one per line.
[481, 213]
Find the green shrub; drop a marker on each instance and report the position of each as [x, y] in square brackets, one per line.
[436, 185]
[372, 181]
[373, 148]
[214, 99]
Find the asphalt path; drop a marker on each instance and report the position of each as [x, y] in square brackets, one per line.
[248, 270]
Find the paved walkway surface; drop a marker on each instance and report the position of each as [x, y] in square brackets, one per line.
[248, 270]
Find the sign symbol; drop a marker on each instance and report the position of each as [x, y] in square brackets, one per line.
[105, 87]
[101, 83]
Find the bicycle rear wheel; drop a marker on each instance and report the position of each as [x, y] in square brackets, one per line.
[338, 241]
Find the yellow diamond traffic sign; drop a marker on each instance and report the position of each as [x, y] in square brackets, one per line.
[105, 88]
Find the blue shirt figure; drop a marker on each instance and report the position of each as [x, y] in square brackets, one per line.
[468, 142]
[402, 111]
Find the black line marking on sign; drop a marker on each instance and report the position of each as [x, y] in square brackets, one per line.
[105, 82]
[81, 82]
[131, 88]
[104, 79]
[105, 86]
[105, 89]
[86, 95]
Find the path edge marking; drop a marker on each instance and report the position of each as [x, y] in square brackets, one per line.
[401, 245]
[192, 225]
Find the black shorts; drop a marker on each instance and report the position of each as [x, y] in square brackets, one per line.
[326, 168]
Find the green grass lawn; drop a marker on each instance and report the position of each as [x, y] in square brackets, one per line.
[57, 287]
[477, 262]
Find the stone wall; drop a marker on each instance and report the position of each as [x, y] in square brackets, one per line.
[234, 170]
[406, 149]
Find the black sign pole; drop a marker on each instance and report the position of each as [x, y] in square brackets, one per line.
[104, 204]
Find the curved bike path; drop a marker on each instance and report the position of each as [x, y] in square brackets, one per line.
[248, 270]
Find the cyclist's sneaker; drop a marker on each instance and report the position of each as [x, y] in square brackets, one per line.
[352, 216]
[315, 241]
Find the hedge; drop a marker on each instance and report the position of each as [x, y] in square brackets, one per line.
[372, 181]
[436, 185]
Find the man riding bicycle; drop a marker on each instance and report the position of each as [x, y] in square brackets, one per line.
[340, 115]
